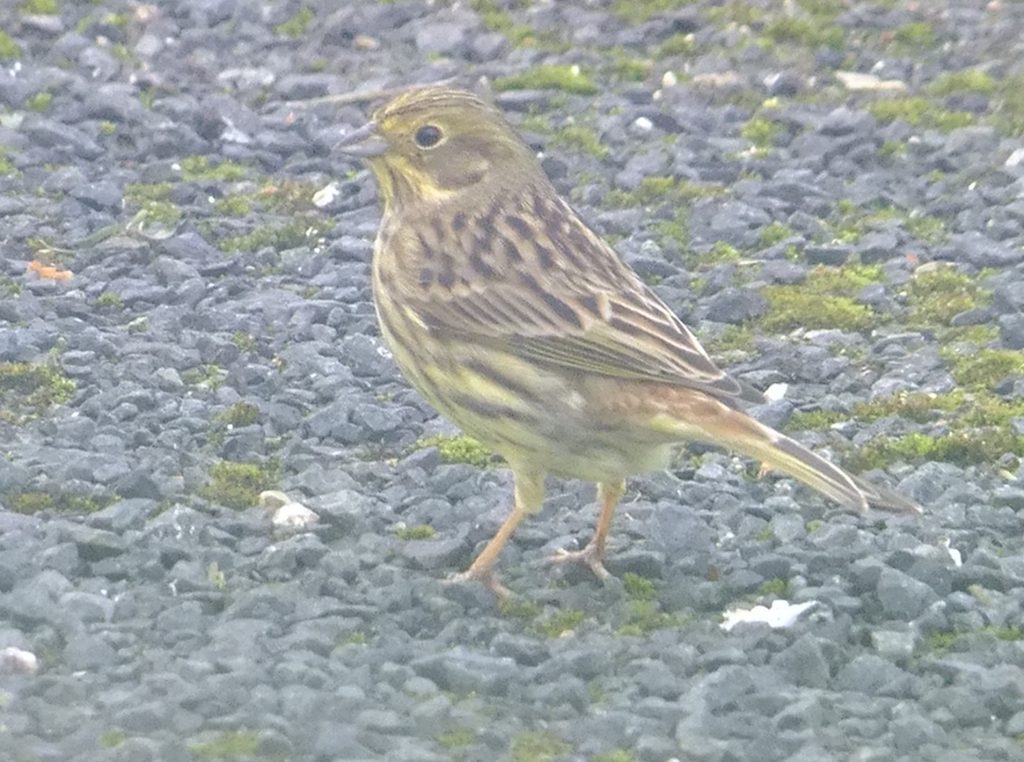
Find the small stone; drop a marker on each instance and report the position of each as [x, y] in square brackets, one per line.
[902, 596]
[17, 661]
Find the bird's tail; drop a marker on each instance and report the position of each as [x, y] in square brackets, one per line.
[737, 431]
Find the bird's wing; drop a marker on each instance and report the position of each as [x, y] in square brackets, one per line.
[578, 308]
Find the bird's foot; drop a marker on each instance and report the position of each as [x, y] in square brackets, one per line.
[591, 556]
[486, 577]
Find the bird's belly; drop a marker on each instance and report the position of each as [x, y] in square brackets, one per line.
[530, 415]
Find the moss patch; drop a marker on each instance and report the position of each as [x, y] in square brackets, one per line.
[458, 449]
[230, 745]
[28, 389]
[569, 79]
[417, 532]
[297, 25]
[538, 747]
[238, 485]
[919, 112]
[936, 296]
[824, 300]
[560, 623]
[195, 168]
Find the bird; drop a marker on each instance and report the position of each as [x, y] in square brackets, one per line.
[522, 326]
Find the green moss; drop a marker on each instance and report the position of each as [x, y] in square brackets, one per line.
[110, 300]
[1009, 110]
[229, 745]
[680, 44]
[659, 190]
[894, 148]
[538, 747]
[62, 502]
[940, 641]
[822, 301]
[774, 588]
[245, 342]
[111, 739]
[638, 11]
[297, 25]
[789, 30]
[624, 66]
[676, 231]
[238, 485]
[39, 101]
[735, 12]
[567, 78]
[936, 296]
[560, 623]
[30, 388]
[9, 286]
[919, 112]
[216, 577]
[815, 420]
[287, 196]
[416, 532]
[966, 81]
[851, 223]
[638, 588]
[761, 132]
[618, 755]
[194, 168]
[138, 193]
[514, 607]
[7, 167]
[986, 367]
[774, 233]
[721, 251]
[9, 49]
[456, 738]
[205, 376]
[240, 414]
[233, 206]
[579, 138]
[644, 617]
[40, 7]
[738, 338]
[458, 449]
[162, 213]
[963, 448]
[497, 19]
[28, 503]
[924, 228]
[918, 34]
[288, 235]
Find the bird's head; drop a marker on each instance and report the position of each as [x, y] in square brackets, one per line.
[434, 143]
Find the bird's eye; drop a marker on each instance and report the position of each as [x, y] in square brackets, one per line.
[428, 136]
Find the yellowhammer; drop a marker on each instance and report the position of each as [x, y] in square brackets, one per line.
[517, 322]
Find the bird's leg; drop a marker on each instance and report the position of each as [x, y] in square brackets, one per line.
[529, 495]
[593, 554]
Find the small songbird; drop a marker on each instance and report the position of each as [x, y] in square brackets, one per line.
[517, 322]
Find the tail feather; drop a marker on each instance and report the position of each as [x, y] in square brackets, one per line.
[749, 437]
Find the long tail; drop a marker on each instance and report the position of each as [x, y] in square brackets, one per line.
[704, 418]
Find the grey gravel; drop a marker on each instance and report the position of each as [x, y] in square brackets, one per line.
[171, 625]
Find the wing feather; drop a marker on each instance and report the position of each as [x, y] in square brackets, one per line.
[601, 318]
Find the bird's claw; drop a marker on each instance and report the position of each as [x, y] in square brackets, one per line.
[590, 556]
[486, 577]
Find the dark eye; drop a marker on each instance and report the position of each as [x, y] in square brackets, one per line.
[428, 136]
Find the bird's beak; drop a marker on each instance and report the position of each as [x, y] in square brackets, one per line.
[364, 142]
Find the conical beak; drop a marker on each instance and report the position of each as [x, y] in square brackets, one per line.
[364, 142]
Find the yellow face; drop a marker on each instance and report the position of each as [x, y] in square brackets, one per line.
[432, 143]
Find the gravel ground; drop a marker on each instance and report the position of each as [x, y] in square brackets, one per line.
[831, 191]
